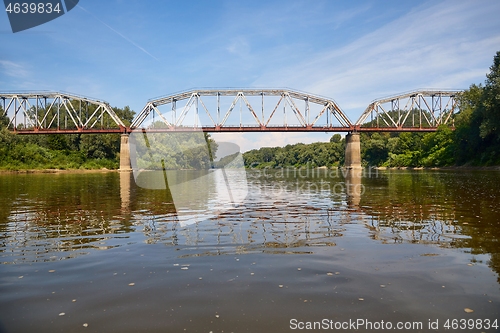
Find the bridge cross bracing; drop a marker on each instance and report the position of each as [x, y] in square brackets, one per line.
[56, 112]
[422, 110]
[243, 110]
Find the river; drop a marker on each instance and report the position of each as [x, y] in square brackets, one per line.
[324, 249]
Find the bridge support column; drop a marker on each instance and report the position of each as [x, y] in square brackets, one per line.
[352, 151]
[125, 154]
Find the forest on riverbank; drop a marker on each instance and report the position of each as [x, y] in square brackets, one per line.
[475, 141]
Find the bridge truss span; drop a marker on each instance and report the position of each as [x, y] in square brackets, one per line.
[242, 110]
[56, 112]
[422, 110]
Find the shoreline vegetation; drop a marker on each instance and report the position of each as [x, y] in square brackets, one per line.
[474, 143]
[105, 170]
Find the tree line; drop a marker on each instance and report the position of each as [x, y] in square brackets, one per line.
[298, 155]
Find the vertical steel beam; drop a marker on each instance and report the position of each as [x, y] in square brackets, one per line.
[262, 94]
[308, 112]
[218, 108]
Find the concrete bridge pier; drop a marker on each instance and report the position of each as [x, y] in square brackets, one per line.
[125, 164]
[352, 151]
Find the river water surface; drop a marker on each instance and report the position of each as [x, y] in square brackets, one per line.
[94, 252]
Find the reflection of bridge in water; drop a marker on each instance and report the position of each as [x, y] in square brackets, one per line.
[287, 215]
[230, 110]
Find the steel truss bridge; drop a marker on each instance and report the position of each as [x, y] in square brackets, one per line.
[228, 110]
[56, 112]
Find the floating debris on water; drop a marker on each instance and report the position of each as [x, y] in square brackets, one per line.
[468, 310]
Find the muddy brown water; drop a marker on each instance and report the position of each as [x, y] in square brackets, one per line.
[96, 253]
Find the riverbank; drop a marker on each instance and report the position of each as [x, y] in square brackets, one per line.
[462, 167]
[102, 170]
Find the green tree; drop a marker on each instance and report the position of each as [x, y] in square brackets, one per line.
[4, 120]
[490, 106]
[126, 114]
[438, 147]
[467, 139]
[336, 138]
[478, 131]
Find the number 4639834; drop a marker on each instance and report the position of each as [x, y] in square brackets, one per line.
[470, 324]
[32, 8]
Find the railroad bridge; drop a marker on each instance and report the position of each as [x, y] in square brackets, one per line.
[229, 110]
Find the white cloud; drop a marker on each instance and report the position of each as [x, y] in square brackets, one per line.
[239, 46]
[13, 69]
[433, 45]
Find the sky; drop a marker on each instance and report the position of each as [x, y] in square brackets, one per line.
[129, 51]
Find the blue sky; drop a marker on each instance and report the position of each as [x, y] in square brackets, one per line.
[128, 51]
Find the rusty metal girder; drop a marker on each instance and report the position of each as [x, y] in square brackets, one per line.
[56, 112]
[228, 110]
[412, 111]
[257, 110]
